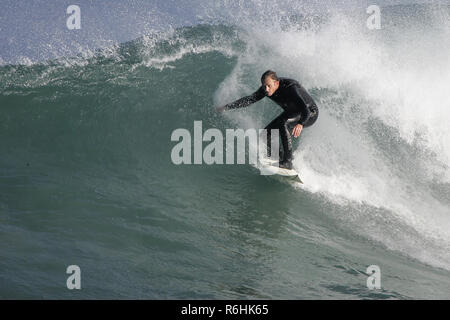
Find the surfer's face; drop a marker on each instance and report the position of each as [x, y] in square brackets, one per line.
[270, 86]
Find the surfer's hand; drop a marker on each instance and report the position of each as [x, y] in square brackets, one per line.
[297, 130]
[220, 109]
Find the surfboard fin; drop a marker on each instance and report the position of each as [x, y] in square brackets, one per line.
[297, 178]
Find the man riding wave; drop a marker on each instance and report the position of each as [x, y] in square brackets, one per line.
[300, 111]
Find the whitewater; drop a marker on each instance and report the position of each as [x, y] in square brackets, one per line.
[86, 175]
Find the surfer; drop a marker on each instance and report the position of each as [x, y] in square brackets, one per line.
[300, 111]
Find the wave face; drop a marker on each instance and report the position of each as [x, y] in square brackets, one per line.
[86, 175]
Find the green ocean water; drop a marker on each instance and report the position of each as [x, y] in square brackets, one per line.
[86, 176]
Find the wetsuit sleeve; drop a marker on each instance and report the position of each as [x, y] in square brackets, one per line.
[302, 106]
[246, 101]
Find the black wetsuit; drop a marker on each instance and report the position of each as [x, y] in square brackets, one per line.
[299, 108]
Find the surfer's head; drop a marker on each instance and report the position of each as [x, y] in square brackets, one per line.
[270, 82]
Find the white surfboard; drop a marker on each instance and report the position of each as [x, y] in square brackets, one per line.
[270, 167]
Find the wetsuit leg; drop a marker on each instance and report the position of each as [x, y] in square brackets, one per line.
[291, 122]
[274, 124]
[284, 124]
[286, 138]
[314, 115]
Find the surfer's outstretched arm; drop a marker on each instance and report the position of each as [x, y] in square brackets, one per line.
[245, 101]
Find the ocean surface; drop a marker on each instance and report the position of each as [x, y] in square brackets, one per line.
[87, 178]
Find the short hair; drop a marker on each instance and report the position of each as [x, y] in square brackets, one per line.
[271, 74]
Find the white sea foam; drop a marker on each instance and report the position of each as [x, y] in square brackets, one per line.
[382, 138]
